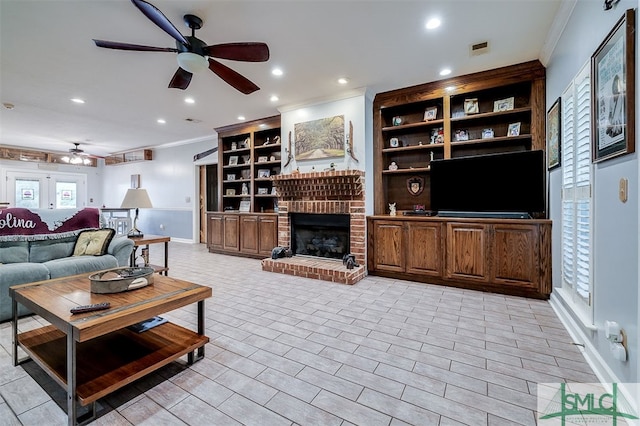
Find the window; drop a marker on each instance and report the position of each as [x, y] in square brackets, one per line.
[576, 195]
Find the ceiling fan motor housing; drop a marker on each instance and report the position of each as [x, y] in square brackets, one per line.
[197, 46]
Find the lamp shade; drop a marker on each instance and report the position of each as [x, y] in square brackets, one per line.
[136, 198]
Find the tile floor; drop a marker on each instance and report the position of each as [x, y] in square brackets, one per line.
[286, 350]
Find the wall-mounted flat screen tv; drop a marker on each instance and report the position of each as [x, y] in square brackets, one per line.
[511, 183]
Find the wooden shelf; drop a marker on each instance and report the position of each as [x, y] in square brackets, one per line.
[132, 355]
[267, 147]
[414, 148]
[405, 171]
[404, 127]
[129, 157]
[484, 116]
[499, 139]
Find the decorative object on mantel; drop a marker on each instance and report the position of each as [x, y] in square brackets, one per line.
[350, 143]
[136, 198]
[415, 185]
[323, 138]
[288, 151]
[392, 209]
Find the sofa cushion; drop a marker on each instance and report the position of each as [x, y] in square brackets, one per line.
[93, 243]
[14, 251]
[75, 265]
[14, 274]
[53, 248]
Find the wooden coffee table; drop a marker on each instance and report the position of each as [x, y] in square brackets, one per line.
[94, 353]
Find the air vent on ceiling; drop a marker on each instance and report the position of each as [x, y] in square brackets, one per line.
[479, 48]
[193, 120]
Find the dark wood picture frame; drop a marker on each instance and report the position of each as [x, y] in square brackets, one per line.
[613, 91]
[554, 135]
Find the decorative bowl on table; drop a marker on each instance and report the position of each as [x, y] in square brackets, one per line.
[116, 280]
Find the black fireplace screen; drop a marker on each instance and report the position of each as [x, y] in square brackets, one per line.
[320, 235]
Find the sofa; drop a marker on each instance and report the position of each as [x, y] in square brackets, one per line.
[41, 245]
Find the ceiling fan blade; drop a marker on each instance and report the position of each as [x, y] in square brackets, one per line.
[249, 52]
[181, 79]
[158, 18]
[234, 79]
[129, 46]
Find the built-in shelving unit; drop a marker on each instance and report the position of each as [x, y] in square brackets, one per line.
[463, 116]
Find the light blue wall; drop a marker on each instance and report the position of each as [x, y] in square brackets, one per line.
[171, 180]
[615, 238]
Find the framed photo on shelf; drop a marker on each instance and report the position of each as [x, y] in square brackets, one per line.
[471, 106]
[231, 176]
[263, 159]
[503, 105]
[230, 191]
[514, 129]
[430, 113]
[394, 143]
[461, 135]
[553, 135]
[245, 206]
[263, 191]
[613, 79]
[233, 160]
[264, 173]
[487, 133]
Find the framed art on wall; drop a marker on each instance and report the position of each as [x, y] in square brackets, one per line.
[553, 135]
[613, 91]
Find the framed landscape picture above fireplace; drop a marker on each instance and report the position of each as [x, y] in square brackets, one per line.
[319, 139]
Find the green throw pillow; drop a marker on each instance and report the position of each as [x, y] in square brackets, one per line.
[93, 243]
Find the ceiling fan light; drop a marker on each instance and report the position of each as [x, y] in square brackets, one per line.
[192, 62]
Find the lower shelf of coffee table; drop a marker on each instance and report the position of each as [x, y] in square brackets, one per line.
[109, 362]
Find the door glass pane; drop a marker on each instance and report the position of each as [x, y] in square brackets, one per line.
[66, 193]
[27, 193]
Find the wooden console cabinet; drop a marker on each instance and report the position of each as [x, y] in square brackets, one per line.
[510, 256]
[243, 234]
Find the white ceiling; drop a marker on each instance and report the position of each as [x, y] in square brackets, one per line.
[47, 57]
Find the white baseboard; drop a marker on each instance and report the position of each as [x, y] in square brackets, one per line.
[600, 368]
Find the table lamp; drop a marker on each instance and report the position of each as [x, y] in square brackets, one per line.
[136, 198]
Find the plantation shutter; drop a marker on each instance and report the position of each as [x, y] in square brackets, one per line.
[576, 186]
[583, 185]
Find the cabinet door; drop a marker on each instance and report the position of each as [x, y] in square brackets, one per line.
[388, 246]
[215, 231]
[249, 234]
[424, 248]
[267, 234]
[468, 251]
[231, 230]
[515, 255]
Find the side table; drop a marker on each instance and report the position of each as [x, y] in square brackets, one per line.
[147, 240]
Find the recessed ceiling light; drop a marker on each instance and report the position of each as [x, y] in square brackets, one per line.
[343, 80]
[445, 71]
[190, 100]
[274, 98]
[450, 88]
[161, 121]
[277, 72]
[433, 23]
[241, 117]
[77, 100]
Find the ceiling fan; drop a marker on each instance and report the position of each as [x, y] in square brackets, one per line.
[78, 156]
[194, 54]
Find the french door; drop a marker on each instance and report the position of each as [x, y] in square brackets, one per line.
[40, 190]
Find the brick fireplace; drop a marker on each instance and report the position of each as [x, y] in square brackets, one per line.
[321, 193]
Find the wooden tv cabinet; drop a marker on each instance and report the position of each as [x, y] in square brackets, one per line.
[509, 256]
